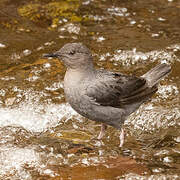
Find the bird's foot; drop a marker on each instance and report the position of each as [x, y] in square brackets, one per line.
[121, 137]
[102, 132]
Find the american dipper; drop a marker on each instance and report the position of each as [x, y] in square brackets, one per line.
[104, 96]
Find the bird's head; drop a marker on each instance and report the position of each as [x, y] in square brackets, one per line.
[74, 55]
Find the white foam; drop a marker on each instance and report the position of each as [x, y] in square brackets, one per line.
[34, 116]
[14, 160]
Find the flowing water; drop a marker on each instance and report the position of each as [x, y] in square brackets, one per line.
[41, 136]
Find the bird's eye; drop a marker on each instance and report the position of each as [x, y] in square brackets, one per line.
[72, 52]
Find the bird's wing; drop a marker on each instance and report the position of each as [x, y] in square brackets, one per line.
[116, 90]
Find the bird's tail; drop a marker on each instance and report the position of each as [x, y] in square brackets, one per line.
[157, 73]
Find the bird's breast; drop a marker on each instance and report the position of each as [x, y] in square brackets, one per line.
[74, 91]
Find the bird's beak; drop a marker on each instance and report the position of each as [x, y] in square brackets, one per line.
[53, 55]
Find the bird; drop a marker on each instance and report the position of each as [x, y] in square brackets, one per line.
[101, 95]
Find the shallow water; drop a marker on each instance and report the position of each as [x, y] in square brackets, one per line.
[41, 136]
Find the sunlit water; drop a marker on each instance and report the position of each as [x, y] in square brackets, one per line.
[41, 136]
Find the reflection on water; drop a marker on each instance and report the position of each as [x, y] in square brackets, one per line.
[41, 136]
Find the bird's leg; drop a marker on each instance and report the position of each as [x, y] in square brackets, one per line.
[102, 132]
[121, 137]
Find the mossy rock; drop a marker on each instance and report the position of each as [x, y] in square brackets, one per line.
[53, 11]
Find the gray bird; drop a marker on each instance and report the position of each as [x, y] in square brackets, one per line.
[104, 96]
